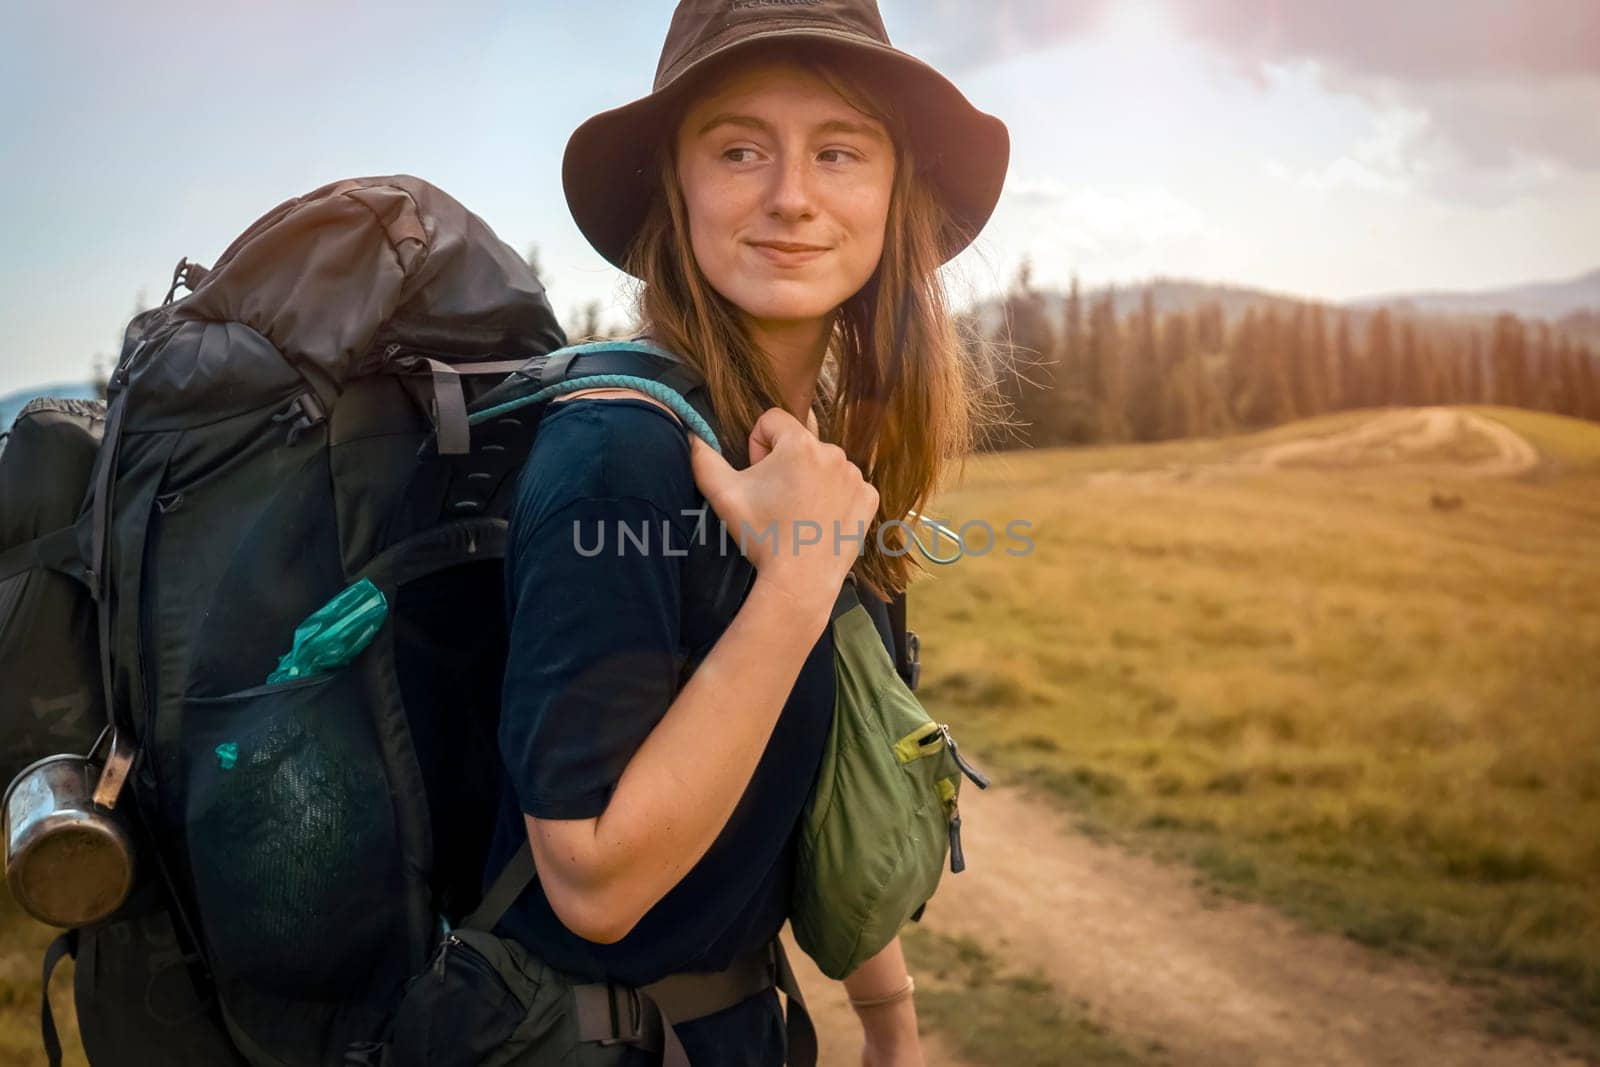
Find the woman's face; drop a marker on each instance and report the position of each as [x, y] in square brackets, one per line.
[787, 188]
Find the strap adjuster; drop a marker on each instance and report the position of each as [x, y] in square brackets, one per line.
[635, 1013]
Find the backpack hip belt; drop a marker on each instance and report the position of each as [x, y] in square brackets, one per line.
[613, 1013]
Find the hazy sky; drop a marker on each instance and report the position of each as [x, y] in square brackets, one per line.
[1330, 149]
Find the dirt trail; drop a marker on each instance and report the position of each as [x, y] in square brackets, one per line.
[1417, 435]
[1158, 960]
[1437, 440]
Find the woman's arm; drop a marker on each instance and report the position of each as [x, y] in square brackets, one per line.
[602, 874]
[890, 1027]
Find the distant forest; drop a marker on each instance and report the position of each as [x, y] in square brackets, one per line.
[1078, 372]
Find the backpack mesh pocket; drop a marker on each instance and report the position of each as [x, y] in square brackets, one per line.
[291, 834]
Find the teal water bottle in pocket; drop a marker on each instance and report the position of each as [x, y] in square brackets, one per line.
[334, 634]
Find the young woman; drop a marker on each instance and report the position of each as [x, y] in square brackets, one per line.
[786, 195]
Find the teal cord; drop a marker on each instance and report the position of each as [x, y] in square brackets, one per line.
[664, 393]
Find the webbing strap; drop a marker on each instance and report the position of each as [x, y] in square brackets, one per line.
[58, 551]
[694, 995]
[801, 1031]
[100, 513]
[450, 402]
[65, 944]
[611, 1014]
[846, 598]
[449, 409]
[518, 874]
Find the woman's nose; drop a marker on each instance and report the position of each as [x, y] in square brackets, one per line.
[791, 196]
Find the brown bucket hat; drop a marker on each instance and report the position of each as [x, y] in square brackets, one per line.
[609, 172]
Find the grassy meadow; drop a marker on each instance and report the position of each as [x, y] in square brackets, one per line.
[22, 944]
[1334, 689]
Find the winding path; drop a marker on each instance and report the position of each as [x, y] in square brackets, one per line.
[1159, 960]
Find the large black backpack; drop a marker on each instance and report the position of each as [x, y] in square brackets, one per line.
[347, 394]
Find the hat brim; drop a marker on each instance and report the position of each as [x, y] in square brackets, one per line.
[609, 172]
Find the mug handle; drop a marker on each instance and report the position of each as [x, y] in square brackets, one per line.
[119, 760]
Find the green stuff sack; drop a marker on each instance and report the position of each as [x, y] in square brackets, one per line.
[882, 815]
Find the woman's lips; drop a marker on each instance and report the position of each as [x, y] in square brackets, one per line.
[787, 253]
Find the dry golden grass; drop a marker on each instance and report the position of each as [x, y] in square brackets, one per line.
[1315, 684]
[22, 944]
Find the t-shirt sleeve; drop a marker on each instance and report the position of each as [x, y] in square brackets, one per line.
[594, 583]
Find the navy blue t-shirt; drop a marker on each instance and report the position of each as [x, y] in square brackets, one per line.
[612, 581]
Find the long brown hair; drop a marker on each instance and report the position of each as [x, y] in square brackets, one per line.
[895, 391]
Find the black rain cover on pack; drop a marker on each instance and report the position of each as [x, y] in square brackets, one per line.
[50, 699]
[264, 449]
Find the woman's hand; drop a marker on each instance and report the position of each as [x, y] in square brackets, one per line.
[801, 510]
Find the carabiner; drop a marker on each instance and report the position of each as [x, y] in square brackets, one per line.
[938, 529]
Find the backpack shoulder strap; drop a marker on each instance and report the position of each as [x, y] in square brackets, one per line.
[632, 364]
[907, 650]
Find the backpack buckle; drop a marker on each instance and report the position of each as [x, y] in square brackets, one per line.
[610, 1013]
[622, 998]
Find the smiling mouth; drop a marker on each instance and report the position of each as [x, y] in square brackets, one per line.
[789, 246]
[788, 253]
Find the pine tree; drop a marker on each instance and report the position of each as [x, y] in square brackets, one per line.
[1181, 373]
[1343, 384]
[1210, 358]
[1260, 392]
[1299, 370]
[1033, 347]
[1143, 376]
[1104, 362]
[589, 326]
[1508, 363]
[1430, 371]
[1544, 369]
[1407, 382]
[1475, 379]
[1319, 370]
[1587, 376]
[1276, 337]
[1377, 364]
[1075, 400]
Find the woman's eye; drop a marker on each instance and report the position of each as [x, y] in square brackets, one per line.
[739, 155]
[836, 155]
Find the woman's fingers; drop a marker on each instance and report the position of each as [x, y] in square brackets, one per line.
[786, 507]
[773, 426]
[714, 475]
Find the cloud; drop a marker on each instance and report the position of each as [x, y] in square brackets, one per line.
[1384, 163]
[956, 35]
[1122, 231]
[1416, 41]
[1508, 91]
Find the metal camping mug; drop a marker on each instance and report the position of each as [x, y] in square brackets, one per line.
[69, 858]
